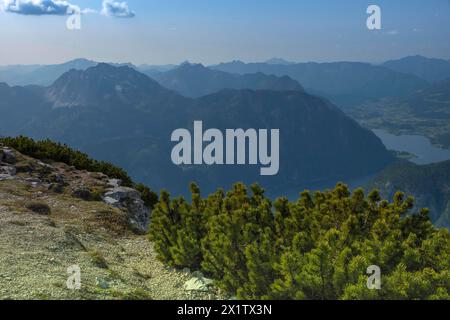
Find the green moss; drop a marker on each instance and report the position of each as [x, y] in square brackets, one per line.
[98, 259]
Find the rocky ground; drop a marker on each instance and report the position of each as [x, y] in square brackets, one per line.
[53, 217]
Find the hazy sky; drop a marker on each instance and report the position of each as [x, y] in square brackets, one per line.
[211, 31]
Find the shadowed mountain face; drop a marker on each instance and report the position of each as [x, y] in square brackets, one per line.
[345, 83]
[195, 80]
[107, 86]
[18, 105]
[429, 184]
[432, 102]
[432, 70]
[120, 115]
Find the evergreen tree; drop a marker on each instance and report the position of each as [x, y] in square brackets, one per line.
[187, 251]
[163, 228]
[317, 247]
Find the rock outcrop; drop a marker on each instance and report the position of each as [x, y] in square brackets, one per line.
[198, 282]
[7, 158]
[7, 155]
[47, 229]
[130, 200]
[83, 185]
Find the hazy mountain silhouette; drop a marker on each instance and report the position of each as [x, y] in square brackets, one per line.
[150, 69]
[345, 83]
[432, 70]
[44, 75]
[120, 115]
[279, 61]
[41, 74]
[195, 80]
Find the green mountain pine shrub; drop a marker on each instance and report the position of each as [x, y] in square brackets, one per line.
[317, 247]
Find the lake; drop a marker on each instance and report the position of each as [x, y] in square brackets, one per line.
[417, 145]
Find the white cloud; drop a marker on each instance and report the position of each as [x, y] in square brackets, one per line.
[38, 7]
[110, 8]
[113, 8]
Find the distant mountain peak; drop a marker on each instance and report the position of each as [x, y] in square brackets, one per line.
[111, 70]
[236, 62]
[102, 66]
[416, 57]
[429, 69]
[188, 65]
[279, 61]
[102, 84]
[80, 60]
[196, 80]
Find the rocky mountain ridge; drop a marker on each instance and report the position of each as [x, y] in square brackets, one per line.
[54, 217]
[81, 184]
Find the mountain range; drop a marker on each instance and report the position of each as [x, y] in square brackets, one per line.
[432, 70]
[123, 116]
[344, 83]
[196, 80]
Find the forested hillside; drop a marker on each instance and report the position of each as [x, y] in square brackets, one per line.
[429, 184]
[425, 112]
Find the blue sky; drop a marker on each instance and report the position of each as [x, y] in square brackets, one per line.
[211, 31]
